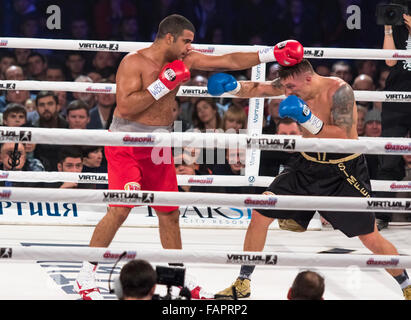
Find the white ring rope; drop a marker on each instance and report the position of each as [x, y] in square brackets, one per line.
[161, 198]
[53, 176]
[184, 91]
[182, 180]
[162, 138]
[271, 259]
[126, 46]
[21, 195]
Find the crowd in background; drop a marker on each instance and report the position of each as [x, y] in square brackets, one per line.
[315, 23]
[320, 22]
[262, 22]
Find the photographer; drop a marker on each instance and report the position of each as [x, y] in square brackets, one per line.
[137, 281]
[396, 117]
[307, 285]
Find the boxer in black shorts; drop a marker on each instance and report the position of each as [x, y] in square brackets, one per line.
[324, 174]
[325, 108]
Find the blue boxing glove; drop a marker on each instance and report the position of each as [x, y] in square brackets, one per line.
[220, 83]
[295, 108]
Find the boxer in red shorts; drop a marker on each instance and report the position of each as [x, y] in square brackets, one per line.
[134, 168]
[126, 172]
[147, 83]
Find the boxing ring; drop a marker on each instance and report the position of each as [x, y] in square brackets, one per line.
[45, 232]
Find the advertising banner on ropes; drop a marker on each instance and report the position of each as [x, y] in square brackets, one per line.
[71, 213]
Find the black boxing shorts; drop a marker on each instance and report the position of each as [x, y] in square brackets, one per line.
[325, 174]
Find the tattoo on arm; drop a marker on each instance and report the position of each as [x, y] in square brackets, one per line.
[342, 107]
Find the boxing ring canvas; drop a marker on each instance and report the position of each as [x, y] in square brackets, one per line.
[53, 280]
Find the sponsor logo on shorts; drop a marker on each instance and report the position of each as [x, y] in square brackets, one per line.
[110, 255]
[389, 147]
[353, 181]
[396, 186]
[270, 202]
[127, 197]
[132, 186]
[376, 262]
[406, 205]
[98, 46]
[277, 144]
[268, 259]
[4, 43]
[138, 140]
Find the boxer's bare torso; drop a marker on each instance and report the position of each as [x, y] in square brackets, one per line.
[139, 69]
[159, 112]
[146, 71]
[329, 98]
[335, 106]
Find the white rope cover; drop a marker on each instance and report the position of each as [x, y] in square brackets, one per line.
[33, 85]
[162, 138]
[53, 176]
[184, 91]
[271, 259]
[126, 46]
[183, 180]
[161, 198]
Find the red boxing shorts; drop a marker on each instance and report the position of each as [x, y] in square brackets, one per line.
[132, 168]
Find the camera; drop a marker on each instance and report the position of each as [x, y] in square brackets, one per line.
[392, 13]
[172, 277]
[140, 278]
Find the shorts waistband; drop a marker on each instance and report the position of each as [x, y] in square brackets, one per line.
[123, 125]
[329, 158]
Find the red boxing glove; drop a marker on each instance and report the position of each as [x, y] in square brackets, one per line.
[172, 75]
[288, 53]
